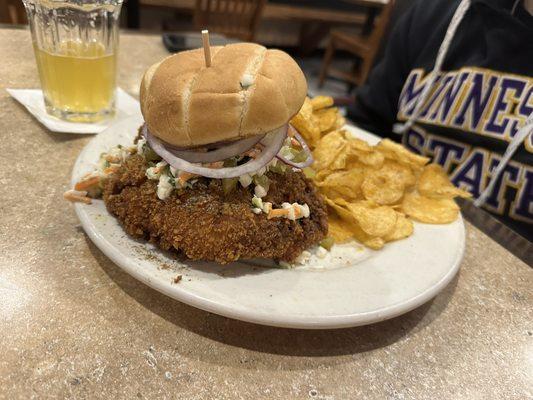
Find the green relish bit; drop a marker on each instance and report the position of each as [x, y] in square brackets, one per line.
[309, 172]
[283, 265]
[263, 181]
[150, 155]
[299, 156]
[230, 162]
[257, 202]
[279, 168]
[327, 243]
[229, 185]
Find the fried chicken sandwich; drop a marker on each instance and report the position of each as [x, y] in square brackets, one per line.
[216, 172]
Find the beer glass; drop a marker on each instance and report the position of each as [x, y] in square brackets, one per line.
[76, 44]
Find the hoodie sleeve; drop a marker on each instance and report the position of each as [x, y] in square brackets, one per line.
[376, 102]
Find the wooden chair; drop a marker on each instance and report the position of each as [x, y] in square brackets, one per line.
[364, 47]
[12, 12]
[233, 18]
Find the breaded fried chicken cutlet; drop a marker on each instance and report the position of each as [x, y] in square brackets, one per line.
[216, 172]
[205, 223]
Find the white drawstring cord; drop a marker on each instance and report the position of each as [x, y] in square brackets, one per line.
[515, 5]
[519, 137]
[450, 33]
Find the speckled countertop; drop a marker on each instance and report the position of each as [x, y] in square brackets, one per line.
[73, 325]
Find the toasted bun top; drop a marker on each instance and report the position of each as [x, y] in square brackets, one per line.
[247, 90]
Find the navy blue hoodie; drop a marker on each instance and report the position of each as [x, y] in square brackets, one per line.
[480, 99]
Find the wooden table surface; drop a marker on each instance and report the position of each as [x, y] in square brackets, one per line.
[73, 325]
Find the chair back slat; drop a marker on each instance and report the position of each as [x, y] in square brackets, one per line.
[12, 12]
[375, 38]
[364, 46]
[234, 18]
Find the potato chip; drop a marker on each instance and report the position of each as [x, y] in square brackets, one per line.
[340, 121]
[328, 150]
[372, 243]
[397, 152]
[307, 110]
[340, 161]
[352, 178]
[331, 193]
[306, 124]
[360, 151]
[326, 119]
[320, 102]
[375, 221]
[343, 184]
[342, 231]
[401, 172]
[382, 186]
[322, 174]
[355, 165]
[403, 228]
[430, 210]
[309, 131]
[357, 143]
[342, 212]
[433, 182]
[339, 230]
[371, 159]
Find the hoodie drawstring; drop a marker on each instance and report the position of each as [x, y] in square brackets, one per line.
[516, 141]
[515, 5]
[450, 33]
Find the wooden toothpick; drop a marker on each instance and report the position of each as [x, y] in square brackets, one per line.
[207, 49]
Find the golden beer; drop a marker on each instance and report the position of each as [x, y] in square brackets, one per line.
[79, 79]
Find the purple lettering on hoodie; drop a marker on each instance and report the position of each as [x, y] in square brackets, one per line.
[476, 100]
[508, 84]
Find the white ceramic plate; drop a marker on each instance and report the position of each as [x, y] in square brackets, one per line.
[350, 287]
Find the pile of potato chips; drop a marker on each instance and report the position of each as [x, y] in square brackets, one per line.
[317, 117]
[372, 192]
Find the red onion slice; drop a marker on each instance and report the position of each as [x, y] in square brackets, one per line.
[222, 153]
[305, 148]
[272, 141]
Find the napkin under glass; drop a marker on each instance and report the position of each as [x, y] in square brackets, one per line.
[32, 99]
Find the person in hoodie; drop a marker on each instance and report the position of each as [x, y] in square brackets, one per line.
[456, 82]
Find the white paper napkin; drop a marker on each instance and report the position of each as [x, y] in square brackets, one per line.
[32, 99]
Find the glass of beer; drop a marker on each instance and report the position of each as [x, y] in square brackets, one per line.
[76, 44]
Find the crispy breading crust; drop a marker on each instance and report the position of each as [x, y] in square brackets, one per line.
[203, 223]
